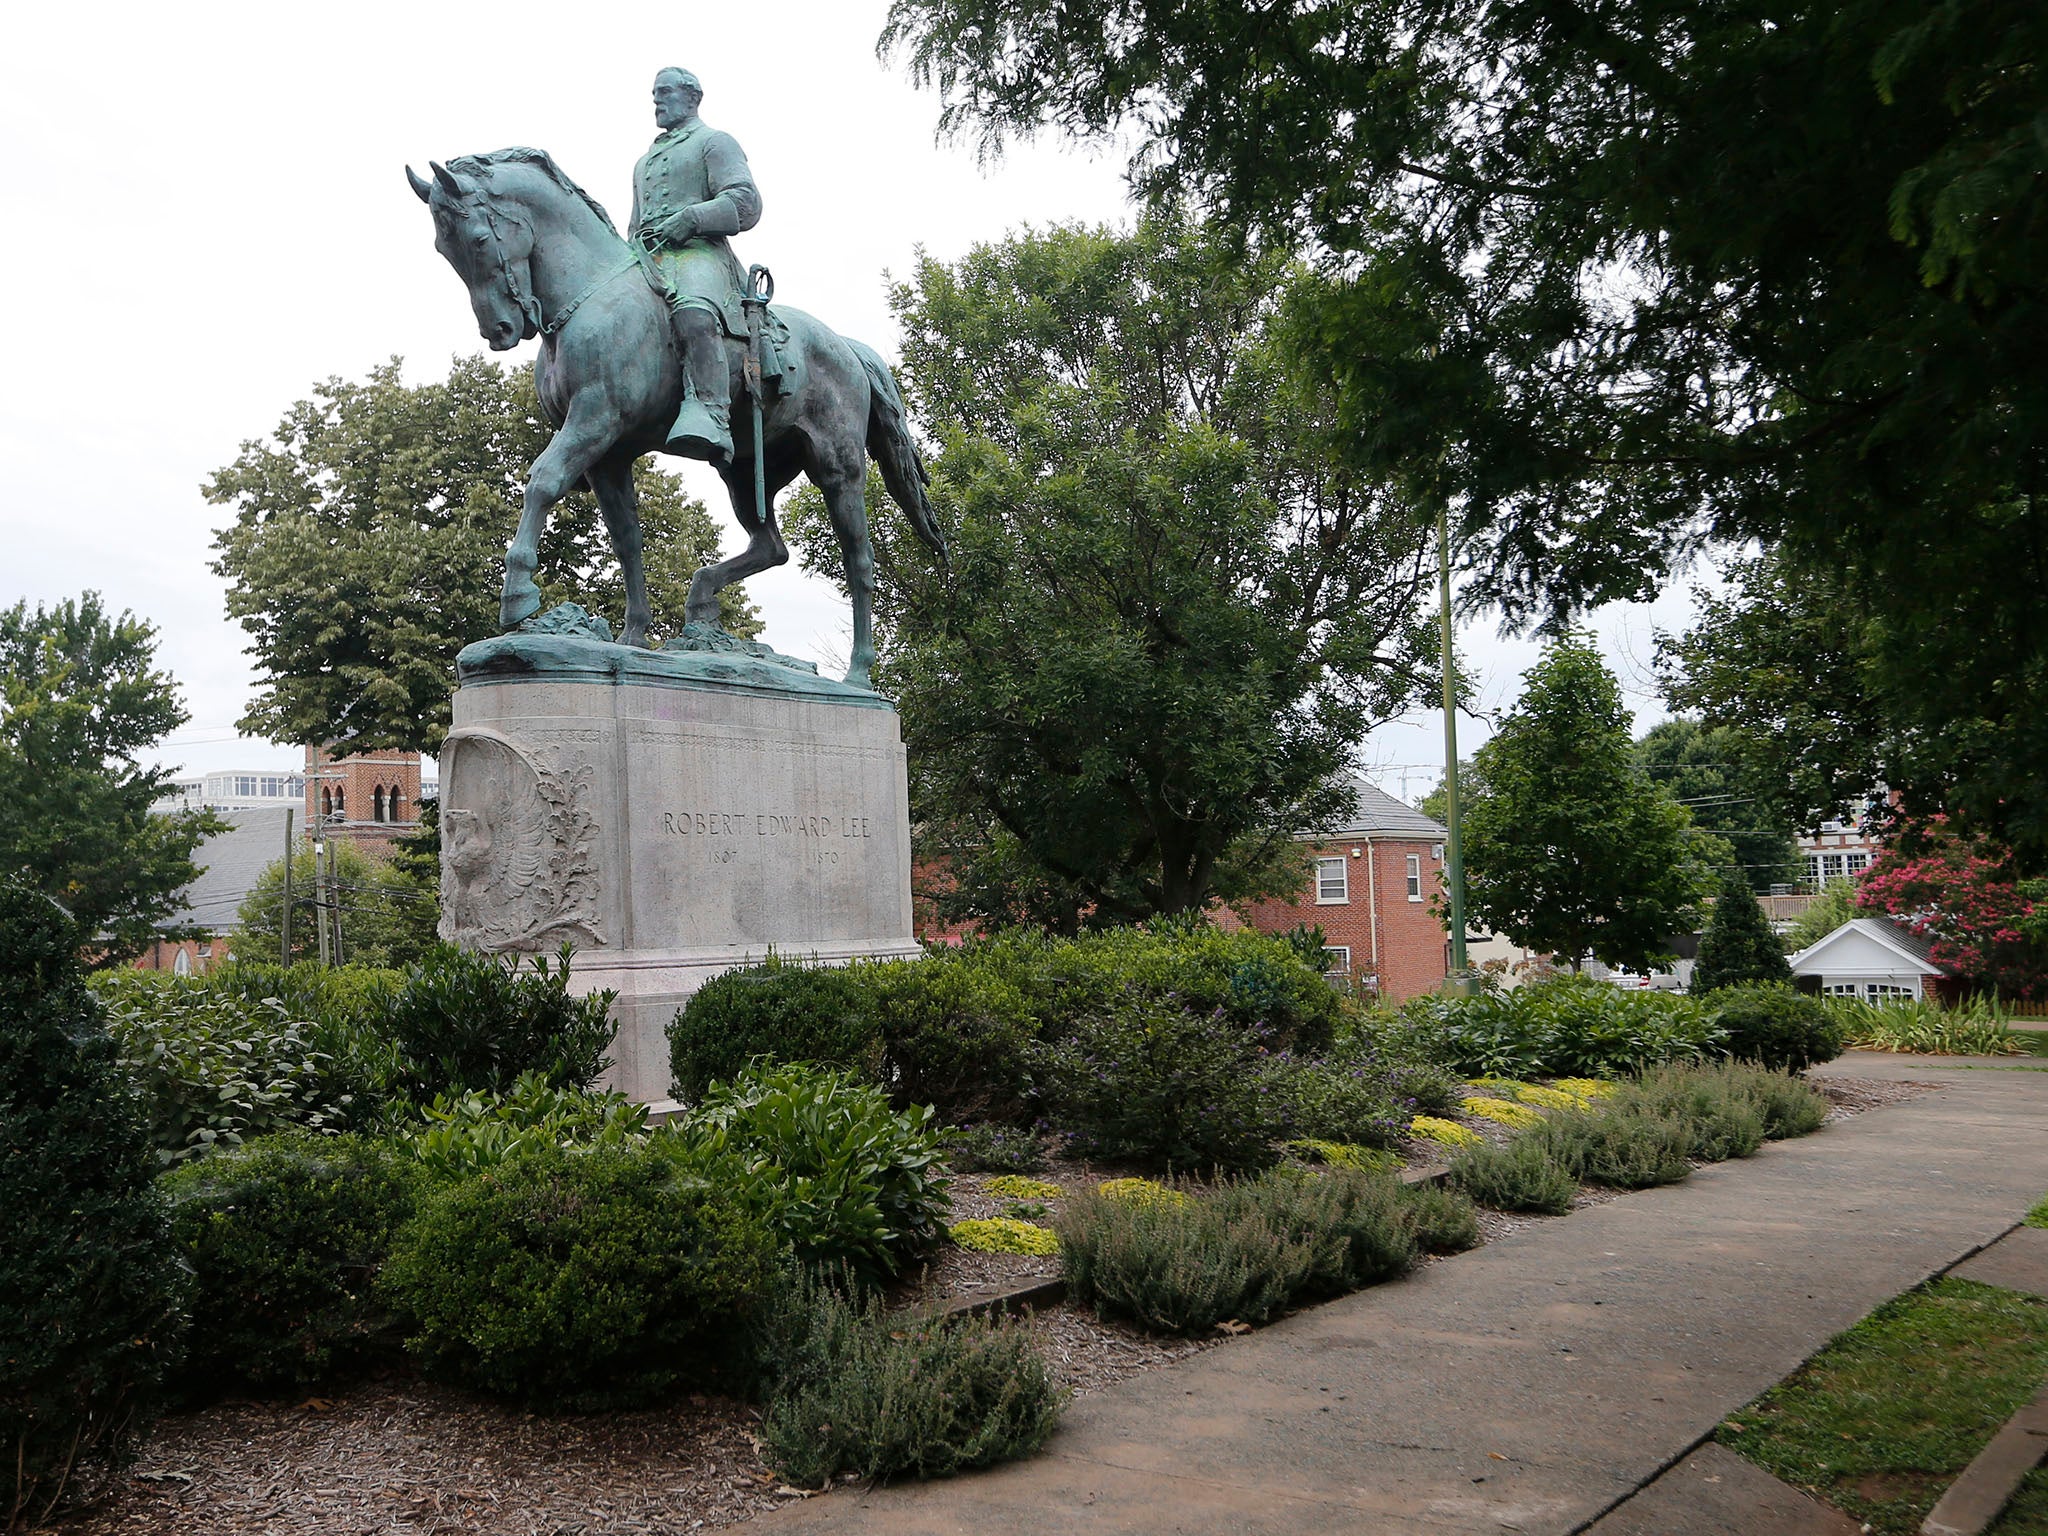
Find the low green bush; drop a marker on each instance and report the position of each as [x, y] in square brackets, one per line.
[1345, 1101]
[858, 1389]
[1524, 1175]
[92, 1292]
[1784, 1104]
[464, 1022]
[1150, 1084]
[460, 1137]
[779, 1010]
[1719, 1118]
[824, 1161]
[1443, 1219]
[285, 1238]
[1777, 1027]
[1622, 1146]
[580, 1279]
[1253, 980]
[1564, 1026]
[954, 1036]
[1243, 1253]
[996, 1149]
[214, 1071]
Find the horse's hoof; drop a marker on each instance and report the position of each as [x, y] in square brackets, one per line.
[633, 634]
[517, 607]
[857, 677]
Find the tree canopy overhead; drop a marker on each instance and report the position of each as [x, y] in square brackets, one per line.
[368, 547]
[81, 701]
[1170, 610]
[1622, 279]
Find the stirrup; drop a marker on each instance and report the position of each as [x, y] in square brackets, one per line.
[701, 432]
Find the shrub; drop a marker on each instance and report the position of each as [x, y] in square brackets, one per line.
[1515, 1117]
[953, 1036]
[1442, 1219]
[467, 1022]
[1254, 981]
[779, 1010]
[1243, 1253]
[863, 1391]
[286, 1238]
[1432, 1090]
[1347, 1101]
[94, 1288]
[825, 1161]
[1003, 1234]
[1622, 1146]
[580, 1280]
[1719, 1117]
[1784, 1104]
[1777, 1027]
[1524, 1175]
[1153, 1085]
[1564, 1026]
[458, 1138]
[215, 1072]
[996, 1149]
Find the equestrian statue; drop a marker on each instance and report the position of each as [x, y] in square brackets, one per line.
[646, 341]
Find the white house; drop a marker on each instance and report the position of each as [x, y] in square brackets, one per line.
[1871, 958]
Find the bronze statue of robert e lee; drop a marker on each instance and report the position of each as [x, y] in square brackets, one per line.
[644, 344]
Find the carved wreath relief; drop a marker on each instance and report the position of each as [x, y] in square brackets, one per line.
[518, 848]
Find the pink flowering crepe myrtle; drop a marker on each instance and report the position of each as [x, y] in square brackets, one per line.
[1960, 893]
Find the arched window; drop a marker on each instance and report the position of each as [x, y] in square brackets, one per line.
[183, 964]
[377, 803]
[396, 815]
[326, 803]
[340, 805]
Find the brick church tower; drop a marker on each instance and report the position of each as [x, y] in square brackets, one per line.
[373, 798]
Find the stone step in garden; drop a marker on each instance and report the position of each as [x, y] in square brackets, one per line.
[1988, 1483]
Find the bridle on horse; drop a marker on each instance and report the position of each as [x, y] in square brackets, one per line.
[522, 295]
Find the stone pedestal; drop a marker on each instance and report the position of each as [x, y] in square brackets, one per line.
[672, 816]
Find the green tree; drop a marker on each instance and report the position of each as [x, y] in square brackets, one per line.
[1572, 850]
[368, 547]
[1625, 278]
[1738, 945]
[1169, 612]
[387, 917]
[81, 701]
[1710, 772]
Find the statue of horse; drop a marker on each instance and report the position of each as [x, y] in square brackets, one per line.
[541, 258]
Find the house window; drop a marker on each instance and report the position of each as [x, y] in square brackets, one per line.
[1337, 961]
[377, 803]
[1843, 989]
[1831, 866]
[1415, 877]
[183, 964]
[1887, 992]
[1855, 863]
[1333, 882]
[1813, 869]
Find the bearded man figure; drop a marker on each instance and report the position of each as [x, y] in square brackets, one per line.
[692, 190]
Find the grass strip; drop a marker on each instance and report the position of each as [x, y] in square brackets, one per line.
[1882, 1420]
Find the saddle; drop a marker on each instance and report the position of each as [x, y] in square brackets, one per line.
[781, 364]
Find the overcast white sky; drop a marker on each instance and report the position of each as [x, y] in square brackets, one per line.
[208, 213]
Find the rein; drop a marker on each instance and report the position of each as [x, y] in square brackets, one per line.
[619, 270]
[528, 305]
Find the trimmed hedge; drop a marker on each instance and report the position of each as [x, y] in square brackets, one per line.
[781, 1010]
[1777, 1027]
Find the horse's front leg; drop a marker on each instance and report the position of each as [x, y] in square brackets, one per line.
[612, 480]
[588, 432]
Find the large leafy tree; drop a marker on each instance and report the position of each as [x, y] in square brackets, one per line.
[1713, 773]
[1964, 896]
[81, 702]
[1170, 611]
[1624, 278]
[1571, 850]
[368, 547]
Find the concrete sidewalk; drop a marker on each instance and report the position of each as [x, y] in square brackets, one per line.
[1534, 1384]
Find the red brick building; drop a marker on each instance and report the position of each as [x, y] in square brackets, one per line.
[1372, 886]
[370, 799]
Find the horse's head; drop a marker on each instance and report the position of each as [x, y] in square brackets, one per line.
[490, 248]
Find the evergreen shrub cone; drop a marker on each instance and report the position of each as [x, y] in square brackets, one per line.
[1738, 945]
[92, 1292]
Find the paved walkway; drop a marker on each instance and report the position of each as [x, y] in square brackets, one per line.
[1535, 1384]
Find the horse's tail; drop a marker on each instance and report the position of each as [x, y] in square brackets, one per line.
[890, 442]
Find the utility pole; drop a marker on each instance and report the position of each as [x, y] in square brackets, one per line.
[320, 889]
[334, 893]
[1454, 853]
[284, 925]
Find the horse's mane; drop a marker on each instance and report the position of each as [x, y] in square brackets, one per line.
[541, 160]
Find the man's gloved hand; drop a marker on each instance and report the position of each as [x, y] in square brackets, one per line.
[677, 227]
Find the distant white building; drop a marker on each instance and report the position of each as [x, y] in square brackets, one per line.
[1871, 959]
[236, 789]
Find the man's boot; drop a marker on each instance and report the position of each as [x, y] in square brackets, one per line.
[703, 427]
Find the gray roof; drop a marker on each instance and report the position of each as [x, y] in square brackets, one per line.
[229, 865]
[1885, 931]
[1379, 814]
